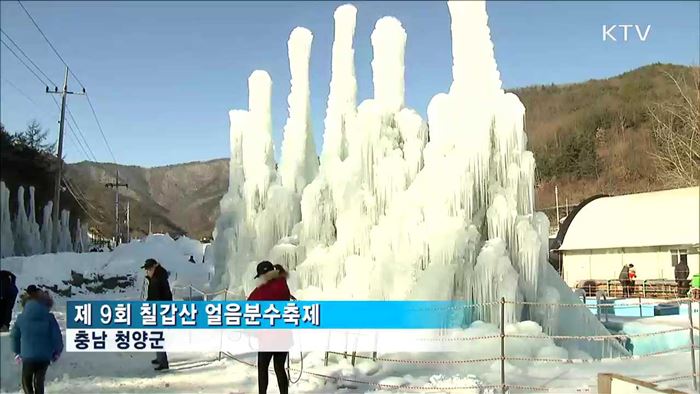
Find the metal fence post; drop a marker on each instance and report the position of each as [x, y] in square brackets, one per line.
[692, 344]
[640, 306]
[503, 345]
[221, 339]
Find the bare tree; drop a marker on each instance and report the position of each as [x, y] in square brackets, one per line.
[676, 132]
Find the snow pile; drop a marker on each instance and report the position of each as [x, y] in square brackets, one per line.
[22, 235]
[395, 211]
[56, 271]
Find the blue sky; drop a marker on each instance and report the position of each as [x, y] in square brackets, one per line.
[162, 75]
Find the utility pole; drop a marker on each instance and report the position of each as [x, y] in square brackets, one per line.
[116, 185]
[59, 170]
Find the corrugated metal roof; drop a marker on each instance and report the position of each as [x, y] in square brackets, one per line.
[663, 218]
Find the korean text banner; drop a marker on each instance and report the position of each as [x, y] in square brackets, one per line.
[241, 327]
[266, 314]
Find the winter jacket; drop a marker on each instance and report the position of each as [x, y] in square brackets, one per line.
[8, 289]
[36, 335]
[274, 288]
[158, 286]
[624, 274]
[682, 271]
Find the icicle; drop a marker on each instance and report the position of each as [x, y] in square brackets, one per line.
[47, 228]
[7, 242]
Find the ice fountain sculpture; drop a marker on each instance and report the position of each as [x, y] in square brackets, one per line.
[396, 209]
[22, 236]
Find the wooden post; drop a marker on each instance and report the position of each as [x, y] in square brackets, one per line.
[325, 360]
[352, 360]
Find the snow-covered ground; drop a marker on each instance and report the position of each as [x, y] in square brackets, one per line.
[204, 373]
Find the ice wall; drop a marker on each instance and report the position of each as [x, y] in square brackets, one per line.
[391, 213]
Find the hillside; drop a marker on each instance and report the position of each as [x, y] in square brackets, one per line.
[596, 136]
[588, 138]
[178, 199]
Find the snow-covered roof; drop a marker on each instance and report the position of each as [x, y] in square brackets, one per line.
[663, 218]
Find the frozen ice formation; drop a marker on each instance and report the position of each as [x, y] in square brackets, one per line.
[396, 210]
[22, 236]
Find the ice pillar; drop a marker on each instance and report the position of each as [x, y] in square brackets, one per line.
[7, 242]
[258, 160]
[342, 98]
[299, 163]
[388, 42]
[47, 228]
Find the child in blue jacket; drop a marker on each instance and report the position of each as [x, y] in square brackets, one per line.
[36, 340]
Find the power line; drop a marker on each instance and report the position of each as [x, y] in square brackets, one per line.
[50, 44]
[21, 92]
[27, 56]
[25, 64]
[75, 123]
[72, 133]
[92, 108]
[77, 200]
[82, 144]
[69, 126]
[99, 127]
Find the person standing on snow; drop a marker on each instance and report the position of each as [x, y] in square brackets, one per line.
[273, 288]
[8, 297]
[624, 278]
[158, 290]
[36, 340]
[632, 278]
[681, 273]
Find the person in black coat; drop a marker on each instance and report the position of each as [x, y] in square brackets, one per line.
[158, 290]
[681, 272]
[8, 297]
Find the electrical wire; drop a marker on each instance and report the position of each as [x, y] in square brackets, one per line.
[28, 58]
[92, 107]
[50, 44]
[22, 61]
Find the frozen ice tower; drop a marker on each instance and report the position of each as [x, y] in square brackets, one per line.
[21, 235]
[396, 210]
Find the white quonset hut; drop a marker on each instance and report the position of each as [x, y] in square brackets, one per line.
[650, 230]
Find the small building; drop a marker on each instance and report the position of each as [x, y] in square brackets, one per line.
[653, 231]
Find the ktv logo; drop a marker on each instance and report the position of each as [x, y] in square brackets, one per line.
[612, 33]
